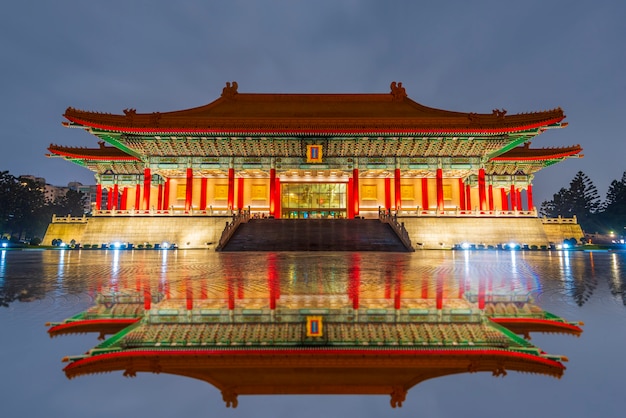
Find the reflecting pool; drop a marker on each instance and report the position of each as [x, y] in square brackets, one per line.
[49, 286]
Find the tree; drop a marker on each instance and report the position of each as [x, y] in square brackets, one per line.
[615, 205]
[581, 199]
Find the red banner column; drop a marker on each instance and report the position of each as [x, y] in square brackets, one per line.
[147, 184]
[482, 195]
[189, 190]
[461, 194]
[504, 198]
[272, 191]
[160, 197]
[529, 197]
[439, 189]
[398, 189]
[277, 199]
[513, 196]
[349, 198]
[98, 196]
[387, 193]
[166, 195]
[203, 184]
[240, 193]
[355, 190]
[425, 204]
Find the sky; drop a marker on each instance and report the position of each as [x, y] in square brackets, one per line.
[156, 55]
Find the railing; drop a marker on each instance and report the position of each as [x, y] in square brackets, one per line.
[231, 227]
[173, 211]
[399, 229]
[560, 220]
[467, 213]
[69, 219]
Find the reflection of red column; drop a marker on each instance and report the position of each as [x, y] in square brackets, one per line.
[349, 198]
[189, 294]
[398, 189]
[481, 293]
[529, 197]
[272, 278]
[147, 297]
[355, 190]
[397, 299]
[490, 194]
[160, 197]
[147, 184]
[231, 188]
[439, 189]
[355, 279]
[424, 287]
[272, 190]
[98, 196]
[166, 195]
[388, 280]
[277, 199]
[387, 193]
[425, 204]
[203, 184]
[188, 189]
[513, 198]
[468, 196]
[504, 198]
[231, 293]
[482, 198]
[440, 291]
[461, 287]
[240, 193]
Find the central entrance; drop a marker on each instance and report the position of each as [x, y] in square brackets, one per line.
[313, 200]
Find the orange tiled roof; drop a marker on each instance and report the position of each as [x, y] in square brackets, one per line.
[103, 153]
[325, 114]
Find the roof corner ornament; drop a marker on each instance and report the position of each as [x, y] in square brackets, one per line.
[230, 90]
[397, 91]
[499, 113]
[398, 395]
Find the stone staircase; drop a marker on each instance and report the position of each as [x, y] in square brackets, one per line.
[314, 235]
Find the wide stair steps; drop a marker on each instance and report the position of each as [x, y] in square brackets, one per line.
[314, 235]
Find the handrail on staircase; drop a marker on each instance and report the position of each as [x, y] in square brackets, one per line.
[398, 227]
[242, 216]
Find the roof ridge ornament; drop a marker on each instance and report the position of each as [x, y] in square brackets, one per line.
[397, 91]
[230, 90]
[499, 113]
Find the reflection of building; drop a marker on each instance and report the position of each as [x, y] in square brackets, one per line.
[260, 150]
[353, 334]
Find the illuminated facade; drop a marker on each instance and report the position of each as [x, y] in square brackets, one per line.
[315, 156]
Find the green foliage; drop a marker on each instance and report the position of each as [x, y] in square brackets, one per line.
[24, 211]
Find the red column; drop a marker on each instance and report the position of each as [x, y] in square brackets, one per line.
[519, 199]
[203, 184]
[124, 204]
[98, 196]
[387, 193]
[425, 204]
[505, 199]
[116, 197]
[513, 198]
[240, 193]
[461, 194]
[490, 193]
[349, 198]
[482, 196]
[231, 188]
[109, 198]
[189, 190]
[439, 189]
[138, 197]
[529, 197]
[272, 191]
[160, 197]
[468, 196]
[355, 190]
[147, 184]
[277, 199]
[398, 189]
[166, 195]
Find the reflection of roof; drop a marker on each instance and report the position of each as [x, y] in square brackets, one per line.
[352, 358]
[314, 114]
